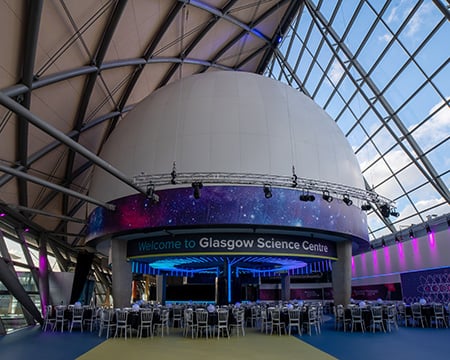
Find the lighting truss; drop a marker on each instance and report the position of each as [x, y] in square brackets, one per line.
[302, 184]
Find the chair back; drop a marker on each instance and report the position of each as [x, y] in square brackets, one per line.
[146, 316]
[294, 315]
[122, 317]
[202, 317]
[77, 313]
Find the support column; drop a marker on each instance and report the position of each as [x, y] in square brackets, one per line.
[161, 282]
[44, 289]
[223, 282]
[121, 274]
[342, 273]
[285, 287]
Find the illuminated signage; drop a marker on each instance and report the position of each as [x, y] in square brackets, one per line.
[225, 244]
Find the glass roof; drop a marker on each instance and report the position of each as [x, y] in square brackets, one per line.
[380, 70]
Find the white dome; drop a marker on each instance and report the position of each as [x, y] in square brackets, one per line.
[231, 122]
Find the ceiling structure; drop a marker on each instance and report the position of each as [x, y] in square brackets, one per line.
[71, 70]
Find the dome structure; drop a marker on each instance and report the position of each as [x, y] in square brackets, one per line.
[227, 122]
[212, 150]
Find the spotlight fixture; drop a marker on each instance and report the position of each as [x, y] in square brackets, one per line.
[326, 196]
[366, 207]
[383, 243]
[305, 196]
[411, 234]
[197, 185]
[428, 229]
[347, 200]
[173, 174]
[372, 247]
[385, 210]
[448, 222]
[393, 211]
[267, 191]
[397, 239]
[150, 193]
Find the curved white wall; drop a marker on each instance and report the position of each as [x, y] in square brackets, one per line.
[227, 122]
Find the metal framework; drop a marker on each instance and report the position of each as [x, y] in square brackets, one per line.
[302, 184]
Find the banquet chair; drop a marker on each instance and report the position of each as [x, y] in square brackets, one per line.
[177, 318]
[146, 322]
[91, 318]
[417, 314]
[339, 318]
[77, 318]
[266, 320]
[189, 324]
[122, 326]
[438, 316]
[202, 322]
[222, 323]
[49, 319]
[255, 316]
[402, 315]
[294, 320]
[391, 318]
[377, 318]
[239, 322]
[106, 322]
[277, 324]
[60, 318]
[357, 318]
[313, 320]
[163, 324]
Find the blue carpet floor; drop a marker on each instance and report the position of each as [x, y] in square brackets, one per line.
[404, 343]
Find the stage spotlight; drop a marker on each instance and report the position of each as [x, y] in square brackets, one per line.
[372, 247]
[411, 234]
[385, 210]
[307, 197]
[267, 191]
[173, 174]
[197, 185]
[448, 222]
[428, 229]
[397, 239]
[383, 243]
[366, 207]
[151, 194]
[347, 200]
[394, 212]
[326, 196]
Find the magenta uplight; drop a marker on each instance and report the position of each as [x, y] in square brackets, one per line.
[387, 259]
[2, 214]
[431, 239]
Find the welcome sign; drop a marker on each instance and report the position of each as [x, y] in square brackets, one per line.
[232, 244]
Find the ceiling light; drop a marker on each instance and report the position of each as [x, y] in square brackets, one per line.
[347, 200]
[267, 191]
[366, 207]
[326, 196]
[197, 185]
[428, 229]
[393, 211]
[305, 196]
[385, 210]
[411, 234]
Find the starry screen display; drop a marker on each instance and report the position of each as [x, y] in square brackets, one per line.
[226, 206]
